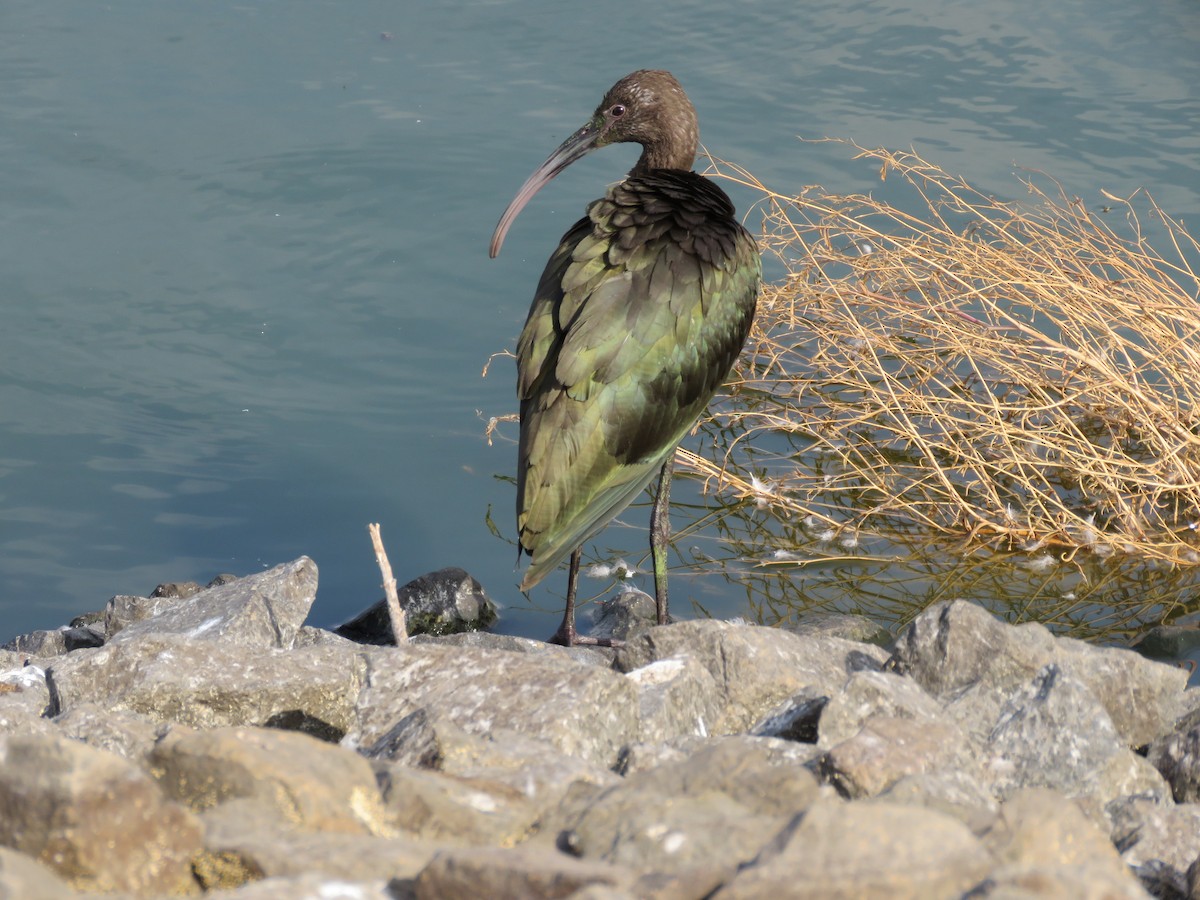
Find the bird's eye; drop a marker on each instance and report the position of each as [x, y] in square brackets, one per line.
[617, 111]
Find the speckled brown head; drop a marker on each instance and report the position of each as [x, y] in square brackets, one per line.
[646, 107]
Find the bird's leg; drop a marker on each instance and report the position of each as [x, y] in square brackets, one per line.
[660, 536]
[566, 631]
[566, 634]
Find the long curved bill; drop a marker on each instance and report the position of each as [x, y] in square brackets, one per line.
[578, 145]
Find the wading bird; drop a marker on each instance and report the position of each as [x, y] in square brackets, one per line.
[637, 320]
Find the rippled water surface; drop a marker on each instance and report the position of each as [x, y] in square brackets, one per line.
[246, 293]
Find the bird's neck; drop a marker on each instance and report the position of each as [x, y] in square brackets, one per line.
[675, 148]
[651, 160]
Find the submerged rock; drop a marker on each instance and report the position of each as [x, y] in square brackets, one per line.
[448, 601]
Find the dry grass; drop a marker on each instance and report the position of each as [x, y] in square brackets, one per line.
[1022, 375]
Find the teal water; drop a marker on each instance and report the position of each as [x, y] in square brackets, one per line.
[246, 295]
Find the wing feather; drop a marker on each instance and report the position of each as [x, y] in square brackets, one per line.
[637, 320]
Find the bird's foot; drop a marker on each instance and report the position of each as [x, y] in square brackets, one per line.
[571, 638]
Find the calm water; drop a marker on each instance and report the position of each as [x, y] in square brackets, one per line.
[247, 298]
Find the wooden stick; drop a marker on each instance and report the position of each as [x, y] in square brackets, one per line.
[395, 613]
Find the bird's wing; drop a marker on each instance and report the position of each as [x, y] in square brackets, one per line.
[635, 325]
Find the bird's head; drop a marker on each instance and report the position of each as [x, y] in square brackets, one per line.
[646, 107]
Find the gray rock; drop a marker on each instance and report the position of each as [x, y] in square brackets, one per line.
[868, 695]
[1047, 846]
[708, 834]
[887, 749]
[640, 756]
[1055, 882]
[261, 610]
[955, 793]
[755, 669]
[839, 625]
[125, 609]
[795, 719]
[952, 647]
[582, 710]
[485, 640]
[447, 601]
[1055, 733]
[99, 822]
[474, 743]
[206, 684]
[1177, 757]
[456, 810]
[308, 887]
[705, 815]
[1157, 842]
[523, 873]
[118, 731]
[82, 637]
[24, 695]
[866, 849]
[39, 643]
[629, 613]
[246, 841]
[25, 878]
[535, 768]
[676, 696]
[309, 784]
[184, 589]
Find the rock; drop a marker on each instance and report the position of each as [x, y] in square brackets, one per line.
[308, 887]
[184, 589]
[953, 647]
[203, 684]
[262, 610]
[246, 842]
[99, 822]
[887, 749]
[535, 768]
[676, 696]
[437, 806]
[1177, 757]
[524, 873]
[868, 695]
[24, 695]
[306, 783]
[1056, 733]
[125, 609]
[39, 643]
[489, 764]
[118, 731]
[582, 710]
[1157, 842]
[22, 878]
[1167, 643]
[955, 793]
[629, 613]
[447, 601]
[795, 719]
[839, 625]
[755, 669]
[1046, 846]
[94, 619]
[865, 849]
[705, 815]
[485, 640]
[79, 638]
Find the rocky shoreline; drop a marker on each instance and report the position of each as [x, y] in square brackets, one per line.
[213, 744]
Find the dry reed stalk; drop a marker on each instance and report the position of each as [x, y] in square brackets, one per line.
[1020, 374]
